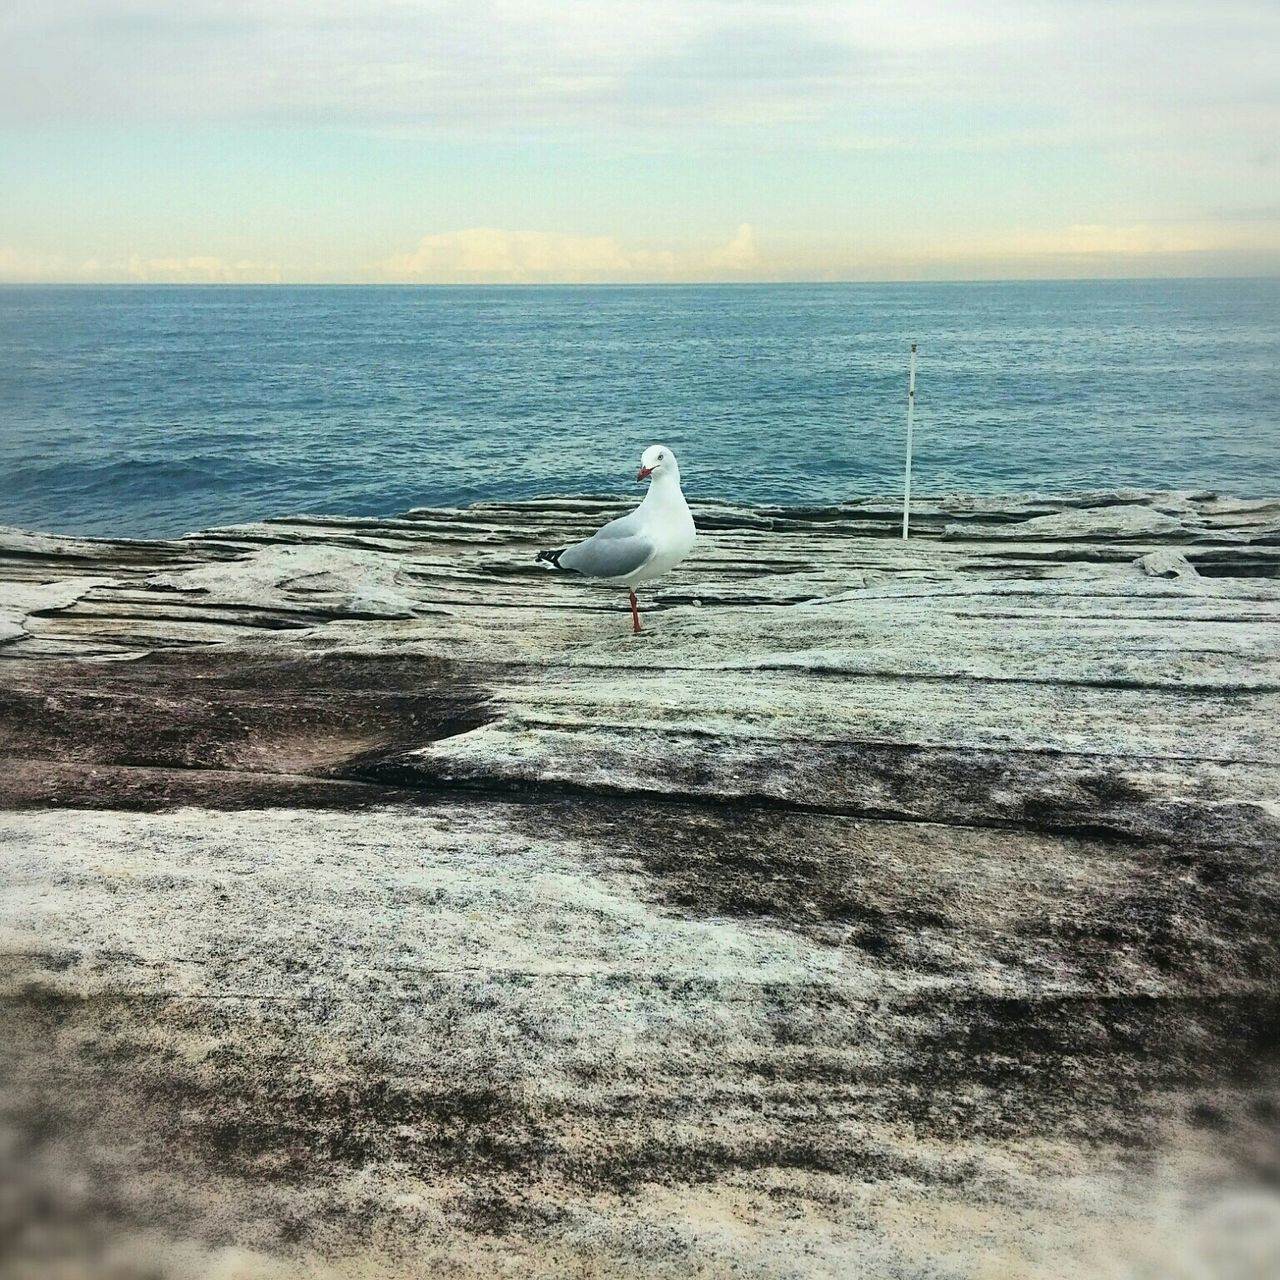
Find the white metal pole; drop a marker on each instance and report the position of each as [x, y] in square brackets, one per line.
[906, 475]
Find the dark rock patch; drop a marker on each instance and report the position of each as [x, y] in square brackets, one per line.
[255, 727]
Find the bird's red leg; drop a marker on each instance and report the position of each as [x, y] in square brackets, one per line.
[635, 610]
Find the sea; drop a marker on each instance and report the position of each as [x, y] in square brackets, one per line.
[150, 411]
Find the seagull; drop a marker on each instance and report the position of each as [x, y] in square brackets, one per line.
[637, 548]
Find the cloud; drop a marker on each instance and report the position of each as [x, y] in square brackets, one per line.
[493, 255]
[811, 69]
[740, 254]
[1086, 245]
[199, 269]
[489, 255]
[1066, 252]
[24, 266]
[1081, 240]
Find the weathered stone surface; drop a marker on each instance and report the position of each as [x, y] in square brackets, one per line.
[1134, 520]
[1166, 563]
[377, 905]
[19, 600]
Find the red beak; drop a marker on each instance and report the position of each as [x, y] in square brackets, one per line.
[644, 473]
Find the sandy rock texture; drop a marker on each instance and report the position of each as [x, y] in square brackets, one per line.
[377, 905]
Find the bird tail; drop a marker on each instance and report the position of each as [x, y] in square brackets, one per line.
[550, 559]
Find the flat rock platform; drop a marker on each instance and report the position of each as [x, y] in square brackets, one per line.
[377, 905]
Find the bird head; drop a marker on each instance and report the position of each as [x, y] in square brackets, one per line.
[657, 460]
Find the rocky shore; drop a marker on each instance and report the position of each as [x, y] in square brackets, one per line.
[377, 905]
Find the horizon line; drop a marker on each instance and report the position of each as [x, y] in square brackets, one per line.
[609, 284]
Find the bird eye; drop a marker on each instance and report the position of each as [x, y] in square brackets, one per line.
[661, 456]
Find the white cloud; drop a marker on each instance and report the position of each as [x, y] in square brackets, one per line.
[1079, 250]
[198, 269]
[740, 254]
[669, 66]
[490, 255]
[487, 253]
[493, 255]
[1100, 242]
[25, 266]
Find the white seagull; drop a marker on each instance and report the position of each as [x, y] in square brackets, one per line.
[637, 548]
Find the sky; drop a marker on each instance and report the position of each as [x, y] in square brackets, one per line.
[495, 141]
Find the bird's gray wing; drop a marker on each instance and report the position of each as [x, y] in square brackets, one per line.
[622, 527]
[611, 553]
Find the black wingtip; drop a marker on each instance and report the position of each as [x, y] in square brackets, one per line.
[550, 558]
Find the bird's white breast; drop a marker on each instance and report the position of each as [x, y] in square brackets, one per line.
[674, 535]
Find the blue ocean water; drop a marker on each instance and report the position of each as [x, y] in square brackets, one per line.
[153, 410]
